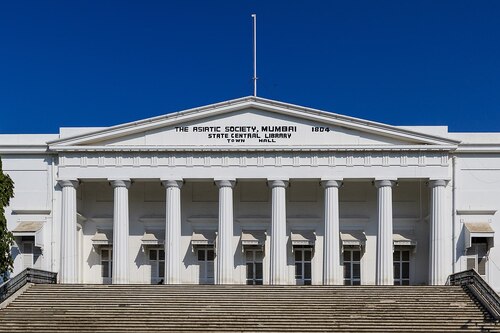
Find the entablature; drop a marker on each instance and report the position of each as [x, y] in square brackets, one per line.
[258, 159]
[262, 165]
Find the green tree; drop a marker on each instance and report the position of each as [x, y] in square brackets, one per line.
[6, 237]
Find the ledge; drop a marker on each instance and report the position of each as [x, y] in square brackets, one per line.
[152, 219]
[202, 218]
[406, 218]
[476, 211]
[31, 211]
[355, 218]
[264, 220]
[102, 219]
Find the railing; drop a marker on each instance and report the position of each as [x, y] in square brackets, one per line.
[29, 275]
[472, 281]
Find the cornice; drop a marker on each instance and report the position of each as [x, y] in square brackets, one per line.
[339, 148]
[25, 149]
[478, 148]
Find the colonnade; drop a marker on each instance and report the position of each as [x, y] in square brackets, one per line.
[332, 273]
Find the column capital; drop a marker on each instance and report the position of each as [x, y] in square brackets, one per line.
[331, 183]
[384, 182]
[225, 183]
[172, 183]
[438, 182]
[120, 182]
[68, 183]
[277, 183]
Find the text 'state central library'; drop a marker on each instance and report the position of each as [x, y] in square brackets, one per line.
[255, 191]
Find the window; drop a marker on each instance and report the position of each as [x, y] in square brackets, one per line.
[157, 262]
[254, 266]
[27, 252]
[401, 259]
[303, 256]
[352, 267]
[206, 262]
[30, 254]
[106, 264]
[477, 255]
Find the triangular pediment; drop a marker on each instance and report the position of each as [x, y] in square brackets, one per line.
[250, 123]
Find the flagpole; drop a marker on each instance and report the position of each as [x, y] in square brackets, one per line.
[254, 54]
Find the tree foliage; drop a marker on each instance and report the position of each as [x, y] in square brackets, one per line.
[6, 237]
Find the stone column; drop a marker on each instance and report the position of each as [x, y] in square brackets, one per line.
[385, 269]
[225, 253]
[331, 243]
[279, 272]
[172, 231]
[69, 255]
[120, 231]
[440, 256]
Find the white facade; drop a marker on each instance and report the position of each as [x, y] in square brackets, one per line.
[255, 191]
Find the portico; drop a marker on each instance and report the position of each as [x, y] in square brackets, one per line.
[190, 175]
[271, 217]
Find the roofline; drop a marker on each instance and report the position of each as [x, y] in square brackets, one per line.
[355, 122]
[134, 148]
[25, 149]
[478, 148]
[156, 118]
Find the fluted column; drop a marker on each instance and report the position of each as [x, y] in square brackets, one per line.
[69, 255]
[440, 247]
[172, 231]
[120, 231]
[331, 244]
[385, 269]
[278, 232]
[225, 253]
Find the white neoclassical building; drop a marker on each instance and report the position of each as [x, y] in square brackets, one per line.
[255, 191]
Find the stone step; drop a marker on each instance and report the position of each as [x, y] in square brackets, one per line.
[194, 308]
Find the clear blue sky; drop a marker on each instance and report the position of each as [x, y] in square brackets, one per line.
[101, 63]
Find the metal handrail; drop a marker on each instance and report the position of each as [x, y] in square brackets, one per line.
[473, 282]
[29, 275]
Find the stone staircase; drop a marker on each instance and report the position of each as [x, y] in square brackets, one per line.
[235, 308]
